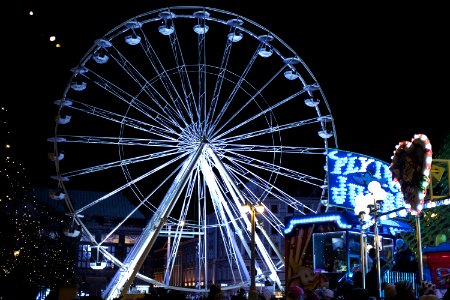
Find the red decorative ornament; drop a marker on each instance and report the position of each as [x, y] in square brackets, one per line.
[411, 166]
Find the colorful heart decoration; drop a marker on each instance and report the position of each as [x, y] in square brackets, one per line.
[410, 167]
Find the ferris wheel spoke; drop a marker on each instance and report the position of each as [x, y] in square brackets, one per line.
[146, 88]
[186, 88]
[269, 130]
[224, 214]
[240, 161]
[119, 163]
[243, 106]
[135, 180]
[234, 258]
[265, 257]
[185, 103]
[121, 223]
[116, 141]
[230, 97]
[262, 185]
[176, 106]
[218, 86]
[271, 189]
[181, 105]
[201, 73]
[270, 149]
[179, 232]
[162, 129]
[146, 200]
[264, 113]
[163, 116]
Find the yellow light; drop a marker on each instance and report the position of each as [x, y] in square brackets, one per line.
[246, 207]
[259, 208]
[16, 253]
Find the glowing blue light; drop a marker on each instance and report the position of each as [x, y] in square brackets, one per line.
[437, 203]
[318, 219]
[349, 175]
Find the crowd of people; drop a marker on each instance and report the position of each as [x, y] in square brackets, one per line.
[402, 290]
[404, 260]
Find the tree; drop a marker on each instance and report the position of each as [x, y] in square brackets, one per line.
[34, 252]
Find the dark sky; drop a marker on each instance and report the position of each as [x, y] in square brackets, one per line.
[383, 68]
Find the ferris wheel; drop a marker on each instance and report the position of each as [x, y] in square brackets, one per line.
[192, 112]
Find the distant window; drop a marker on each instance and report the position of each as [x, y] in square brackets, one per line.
[128, 249]
[113, 239]
[84, 238]
[274, 208]
[84, 256]
[111, 249]
[88, 254]
[131, 239]
[273, 230]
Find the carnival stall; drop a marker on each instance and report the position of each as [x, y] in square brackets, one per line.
[322, 250]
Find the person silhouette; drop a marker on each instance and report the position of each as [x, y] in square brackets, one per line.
[404, 258]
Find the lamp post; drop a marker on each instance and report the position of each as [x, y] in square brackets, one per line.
[376, 207]
[361, 209]
[367, 205]
[253, 209]
[377, 194]
[362, 249]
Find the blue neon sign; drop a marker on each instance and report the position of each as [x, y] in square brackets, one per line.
[349, 174]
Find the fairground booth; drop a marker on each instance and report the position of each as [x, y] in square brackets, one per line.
[326, 248]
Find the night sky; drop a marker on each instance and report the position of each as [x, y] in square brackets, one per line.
[383, 68]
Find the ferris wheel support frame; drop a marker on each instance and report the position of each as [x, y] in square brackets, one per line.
[124, 277]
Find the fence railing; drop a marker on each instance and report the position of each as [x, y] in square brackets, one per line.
[395, 276]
